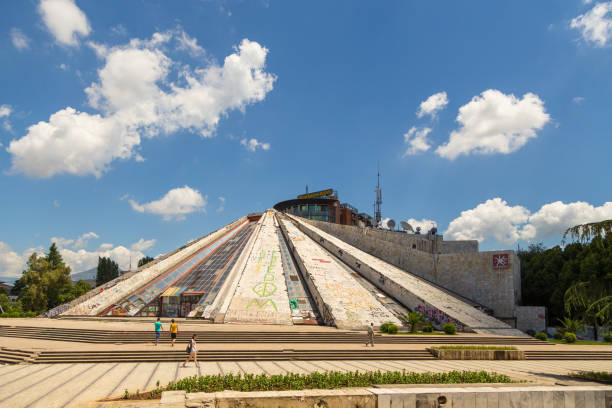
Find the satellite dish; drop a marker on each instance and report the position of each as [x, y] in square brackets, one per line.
[390, 224]
[418, 230]
[406, 227]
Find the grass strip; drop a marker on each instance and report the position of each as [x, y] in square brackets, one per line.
[599, 376]
[474, 348]
[326, 380]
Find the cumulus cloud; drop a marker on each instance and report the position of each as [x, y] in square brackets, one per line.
[493, 122]
[221, 204]
[507, 224]
[432, 105]
[138, 98]
[78, 258]
[5, 110]
[65, 20]
[416, 138]
[425, 224]
[578, 100]
[254, 144]
[596, 24]
[19, 39]
[175, 204]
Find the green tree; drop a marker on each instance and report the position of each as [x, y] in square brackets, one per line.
[107, 270]
[144, 260]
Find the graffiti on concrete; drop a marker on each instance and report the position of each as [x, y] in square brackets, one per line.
[265, 288]
[438, 317]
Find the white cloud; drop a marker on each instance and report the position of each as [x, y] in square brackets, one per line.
[11, 263]
[175, 204]
[493, 122]
[596, 24]
[142, 244]
[254, 144]
[190, 44]
[81, 242]
[493, 218]
[554, 218]
[64, 20]
[19, 39]
[508, 224]
[129, 94]
[417, 139]
[432, 105]
[56, 203]
[5, 110]
[221, 204]
[578, 100]
[425, 224]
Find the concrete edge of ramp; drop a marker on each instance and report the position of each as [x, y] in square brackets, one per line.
[438, 395]
[411, 291]
[341, 300]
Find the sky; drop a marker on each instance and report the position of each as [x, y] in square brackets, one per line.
[130, 128]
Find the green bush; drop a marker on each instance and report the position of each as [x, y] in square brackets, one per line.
[600, 376]
[385, 327]
[608, 338]
[558, 335]
[541, 336]
[428, 329]
[392, 328]
[570, 337]
[449, 328]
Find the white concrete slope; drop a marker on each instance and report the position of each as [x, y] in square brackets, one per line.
[408, 289]
[108, 297]
[341, 300]
[261, 295]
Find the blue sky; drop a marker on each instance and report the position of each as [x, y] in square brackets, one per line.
[130, 128]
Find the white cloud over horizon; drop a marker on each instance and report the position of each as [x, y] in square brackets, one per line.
[221, 204]
[64, 20]
[432, 105]
[74, 254]
[509, 224]
[133, 103]
[175, 204]
[417, 139]
[494, 122]
[19, 39]
[596, 24]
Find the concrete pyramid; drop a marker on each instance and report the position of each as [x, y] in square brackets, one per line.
[271, 268]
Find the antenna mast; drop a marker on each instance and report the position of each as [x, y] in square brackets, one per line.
[378, 202]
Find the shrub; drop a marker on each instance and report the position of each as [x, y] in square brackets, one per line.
[449, 328]
[385, 327]
[558, 335]
[570, 337]
[392, 328]
[608, 338]
[541, 336]
[600, 376]
[428, 329]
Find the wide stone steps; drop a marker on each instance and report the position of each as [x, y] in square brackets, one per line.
[14, 356]
[112, 337]
[227, 355]
[568, 355]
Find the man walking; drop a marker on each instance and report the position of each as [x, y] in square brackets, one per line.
[370, 334]
[158, 330]
[173, 331]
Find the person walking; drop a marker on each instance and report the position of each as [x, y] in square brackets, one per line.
[370, 334]
[192, 349]
[173, 332]
[158, 330]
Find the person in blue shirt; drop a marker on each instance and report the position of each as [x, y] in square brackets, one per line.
[158, 330]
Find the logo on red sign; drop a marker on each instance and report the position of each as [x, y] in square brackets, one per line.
[501, 261]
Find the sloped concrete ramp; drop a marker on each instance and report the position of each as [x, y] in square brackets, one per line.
[341, 300]
[410, 290]
[261, 296]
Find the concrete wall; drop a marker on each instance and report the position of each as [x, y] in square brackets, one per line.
[468, 274]
[531, 318]
[106, 298]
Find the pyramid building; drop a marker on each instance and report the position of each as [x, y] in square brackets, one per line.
[278, 268]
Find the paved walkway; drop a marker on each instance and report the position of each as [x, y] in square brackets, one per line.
[77, 385]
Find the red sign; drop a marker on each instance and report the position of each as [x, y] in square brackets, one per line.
[501, 261]
[321, 260]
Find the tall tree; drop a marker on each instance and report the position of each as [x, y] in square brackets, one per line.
[144, 260]
[107, 270]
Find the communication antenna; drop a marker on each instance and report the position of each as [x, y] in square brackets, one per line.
[378, 202]
[406, 227]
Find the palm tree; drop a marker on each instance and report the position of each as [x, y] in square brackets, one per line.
[414, 320]
[586, 232]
